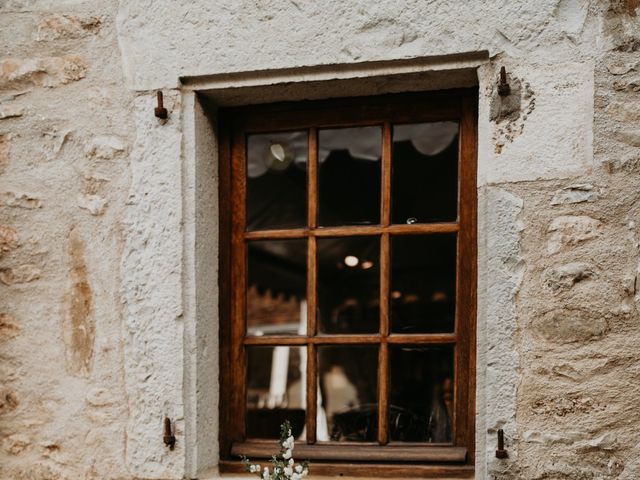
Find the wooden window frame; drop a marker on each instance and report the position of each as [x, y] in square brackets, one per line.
[386, 459]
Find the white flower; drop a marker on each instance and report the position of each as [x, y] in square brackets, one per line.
[288, 443]
[299, 468]
[305, 472]
[291, 461]
[254, 468]
[265, 473]
[288, 471]
[296, 476]
[287, 454]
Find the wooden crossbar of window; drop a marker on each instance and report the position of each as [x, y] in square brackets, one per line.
[389, 456]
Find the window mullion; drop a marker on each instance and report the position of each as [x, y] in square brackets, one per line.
[385, 262]
[239, 280]
[312, 299]
[385, 213]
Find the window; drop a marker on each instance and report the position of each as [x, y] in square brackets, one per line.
[348, 278]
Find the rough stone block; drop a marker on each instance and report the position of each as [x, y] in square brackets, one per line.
[95, 204]
[21, 274]
[583, 192]
[19, 200]
[8, 328]
[8, 239]
[41, 72]
[105, 147]
[10, 111]
[566, 276]
[57, 26]
[567, 325]
[570, 230]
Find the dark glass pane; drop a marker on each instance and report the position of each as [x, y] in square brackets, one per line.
[277, 287]
[425, 173]
[423, 283]
[421, 394]
[276, 390]
[349, 284]
[349, 176]
[277, 180]
[348, 380]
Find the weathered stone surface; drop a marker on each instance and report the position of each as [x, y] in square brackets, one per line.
[569, 230]
[10, 111]
[8, 401]
[8, 328]
[620, 68]
[566, 405]
[629, 137]
[79, 327]
[19, 200]
[54, 27]
[629, 162]
[582, 192]
[566, 276]
[20, 274]
[553, 438]
[16, 444]
[94, 203]
[8, 239]
[4, 152]
[623, 112]
[100, 397]
[105, 147]
[567, 325]
[41, 72]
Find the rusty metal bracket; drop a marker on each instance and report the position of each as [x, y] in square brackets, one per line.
[160, 111]
[169, 438]
[500, 451]
[503, 87]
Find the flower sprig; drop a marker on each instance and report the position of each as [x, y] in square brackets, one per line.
[283, 465]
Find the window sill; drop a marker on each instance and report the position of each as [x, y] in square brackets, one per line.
[359, 453]
[370, 470]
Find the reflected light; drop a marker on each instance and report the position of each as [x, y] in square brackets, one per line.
[367, 264]
[396, 294]
[351, 261]
[279, 156]
[277, 151]
[439, 297]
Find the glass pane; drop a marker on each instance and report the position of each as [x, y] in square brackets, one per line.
[348, 380]
[425, 172]
[276, 390]
[421, 394]
[349, 284]
[277, 180]
[423, 283]
[349, 176]
[277, 293]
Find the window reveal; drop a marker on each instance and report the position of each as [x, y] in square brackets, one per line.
[352, 278]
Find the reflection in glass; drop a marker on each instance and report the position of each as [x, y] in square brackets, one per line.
[277, 180]
[423, 283]
[277, 285]
[421, 394]
[349, 284]
[276, 390]
[348, 380]
[349, 176]
[425, 172]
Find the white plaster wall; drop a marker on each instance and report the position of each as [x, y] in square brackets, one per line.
[85, 167]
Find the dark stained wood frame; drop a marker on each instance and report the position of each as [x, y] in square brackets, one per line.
[385, 459]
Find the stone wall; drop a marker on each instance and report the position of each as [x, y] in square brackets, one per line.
[100, 209]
